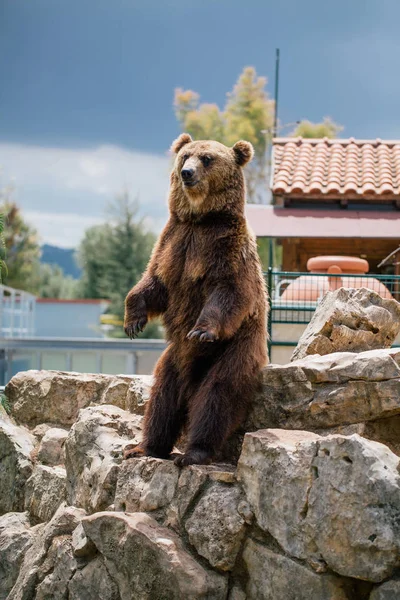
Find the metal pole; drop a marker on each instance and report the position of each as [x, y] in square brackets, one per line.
[269, 321]
[276, 92]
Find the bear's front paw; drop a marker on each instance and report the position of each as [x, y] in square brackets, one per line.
[202, 334]
[133, 328]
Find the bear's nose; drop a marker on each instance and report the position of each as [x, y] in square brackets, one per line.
[187, 174]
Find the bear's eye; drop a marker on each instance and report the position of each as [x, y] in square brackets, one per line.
[206, 160]
[185, 157]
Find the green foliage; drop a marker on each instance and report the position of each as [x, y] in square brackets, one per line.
[4, 403]
[22, 249]
[52, 283]
[327, 128]
[248, 114]
[113, 257]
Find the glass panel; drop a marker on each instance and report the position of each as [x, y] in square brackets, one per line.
[114, 364]
[54, 361]
[23, 361]
[84, 362]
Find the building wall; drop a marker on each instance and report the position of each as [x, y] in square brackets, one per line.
[64, 319]
[297, 251]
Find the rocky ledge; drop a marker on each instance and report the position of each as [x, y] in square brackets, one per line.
[309, 512]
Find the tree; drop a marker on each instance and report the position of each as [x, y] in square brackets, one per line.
[113, 257]
[248, 114]
[22, 250]
[327, 128]
[52, 283]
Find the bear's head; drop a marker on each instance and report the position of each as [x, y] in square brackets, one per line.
[208, 176]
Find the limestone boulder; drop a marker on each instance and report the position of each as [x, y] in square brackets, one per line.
[390, 590]
[321, 392]
[145, 484]
[333, 501]
[272, 576]
[149, 561]
[57, 570]
[350, 320]
[217, 525]
[93, 583]
[52, 396]
[45, 491]
[93, 454]
[37, 563]
[16, 447]
[15, 539]
[51, 448]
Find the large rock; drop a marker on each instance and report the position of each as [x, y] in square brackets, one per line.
[93, 454]
[276, 577]
[44, 492]
[350, 320]
[145, 484]
[217, 525]
[56, 397]
[390, 590]
[149, 561]
[51, 448]
[16, 446]
[93, 583]
[332, 501]
[320, 392]
[34, 568]
[15, 539]
[57, 570]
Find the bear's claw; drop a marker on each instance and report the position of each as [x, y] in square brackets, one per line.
[131, 451]
[133, 330]
[202, 335]
[193, 457]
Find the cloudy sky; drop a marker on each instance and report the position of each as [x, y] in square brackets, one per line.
[86, 88]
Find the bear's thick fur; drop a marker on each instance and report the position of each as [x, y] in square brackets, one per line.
[205, 279]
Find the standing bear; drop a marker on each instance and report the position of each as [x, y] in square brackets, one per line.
[204, 277]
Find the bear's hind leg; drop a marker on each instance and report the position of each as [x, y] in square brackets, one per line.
[216, 410]
[165, 412]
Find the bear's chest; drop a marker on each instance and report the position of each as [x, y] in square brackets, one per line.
[184, 258]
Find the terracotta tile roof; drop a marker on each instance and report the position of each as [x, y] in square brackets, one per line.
[336, 167]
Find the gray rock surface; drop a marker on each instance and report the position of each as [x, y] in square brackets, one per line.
[51, 448]
[15, 539]
[93, 454]
[350, 320]
[321, 392]
[387, 591]
[145, 484]
[216, 527]
[57, 570]
[276, 577]
[16, 446]
[93, 582]
[331, 501]
[56, 397]
[45, 491]
[33, 570]
[163, 568]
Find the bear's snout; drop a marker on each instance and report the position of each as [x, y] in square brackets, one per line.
[187, 174]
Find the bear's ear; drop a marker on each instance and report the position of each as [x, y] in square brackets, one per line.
[244, 152]
[177, 144]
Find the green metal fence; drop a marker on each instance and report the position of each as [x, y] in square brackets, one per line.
[294, 296]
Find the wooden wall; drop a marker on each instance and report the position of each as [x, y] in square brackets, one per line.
[296, 251]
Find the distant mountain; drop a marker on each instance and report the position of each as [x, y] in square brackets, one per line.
[63, 257]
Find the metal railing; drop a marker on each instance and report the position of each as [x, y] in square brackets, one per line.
[82, 355]
[17, 313]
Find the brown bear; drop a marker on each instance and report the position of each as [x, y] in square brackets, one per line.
[204, 277]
